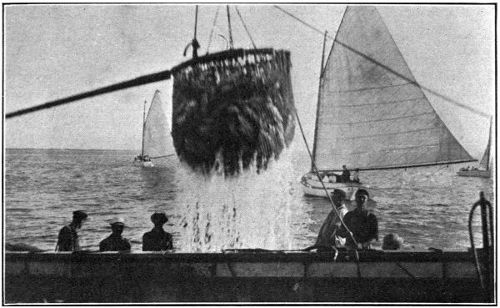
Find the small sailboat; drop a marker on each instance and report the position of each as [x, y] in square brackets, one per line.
[484, 170]
[156, 140]
[372, 114]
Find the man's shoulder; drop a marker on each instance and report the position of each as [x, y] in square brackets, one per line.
[106, 240]
[65, 229]
[349, 214]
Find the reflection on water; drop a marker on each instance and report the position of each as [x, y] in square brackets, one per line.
[428, 207]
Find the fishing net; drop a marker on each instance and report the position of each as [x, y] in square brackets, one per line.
[233, 109]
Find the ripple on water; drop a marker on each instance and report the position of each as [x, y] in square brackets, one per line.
[427, 208]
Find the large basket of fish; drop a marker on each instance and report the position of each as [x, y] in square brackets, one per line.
[233, 110]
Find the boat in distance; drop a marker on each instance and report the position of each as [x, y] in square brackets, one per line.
[313, 187]
[484, 170]
[156, 140]
[372, 114]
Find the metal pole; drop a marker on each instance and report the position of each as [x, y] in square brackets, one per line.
[486, 209]
[143, 127]
[317, 103]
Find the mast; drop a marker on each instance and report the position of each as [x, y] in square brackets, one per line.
[319, 98]
[143, 127]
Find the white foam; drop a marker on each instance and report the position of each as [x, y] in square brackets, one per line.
[252, 210]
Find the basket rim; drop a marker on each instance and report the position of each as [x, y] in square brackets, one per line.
[227, 54]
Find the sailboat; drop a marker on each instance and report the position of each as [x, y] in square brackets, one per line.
[156, 140]
[484, 170]
[372, 114]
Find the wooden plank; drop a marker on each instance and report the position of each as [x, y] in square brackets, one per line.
[252, 269]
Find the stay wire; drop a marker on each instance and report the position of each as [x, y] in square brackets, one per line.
[245, 26]
[443, 97]
[321, 180]
[212, 30]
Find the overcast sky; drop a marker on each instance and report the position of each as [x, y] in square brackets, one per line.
[52, 51]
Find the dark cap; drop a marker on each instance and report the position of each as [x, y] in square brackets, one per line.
[79, 215]
[340, 193]
[159, 218]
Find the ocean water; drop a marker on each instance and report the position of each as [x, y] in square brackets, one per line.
[428, 207]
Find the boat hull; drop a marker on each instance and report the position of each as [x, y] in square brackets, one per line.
[145, 164]
[312, 187]
[475, 173]
[274, 276]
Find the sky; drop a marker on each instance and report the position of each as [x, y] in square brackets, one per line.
[53, 51]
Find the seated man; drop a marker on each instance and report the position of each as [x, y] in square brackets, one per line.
[392, 241]
[115, 242]
[157, 239]
[362, 223]
[327, 235]
[346, 175]
[68, 235]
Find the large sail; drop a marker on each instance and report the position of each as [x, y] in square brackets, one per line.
[157, 139]
[485, 161]
[372, 114]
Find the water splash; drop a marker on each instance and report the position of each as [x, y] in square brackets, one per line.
[253, 210]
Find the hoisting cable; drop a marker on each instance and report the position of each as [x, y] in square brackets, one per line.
[229, 28]
[213, 27]
[245, 26]
[194, 43]
[445, 98]
[195, 22]
[139, 81]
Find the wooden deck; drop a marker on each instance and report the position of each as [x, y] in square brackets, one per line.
[273, 276]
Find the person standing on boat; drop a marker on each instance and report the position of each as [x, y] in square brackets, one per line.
[68, 235]
[355, 176]
[346, 175]
[115, 242]
[327, 235]
[157, 239]
[362, 223]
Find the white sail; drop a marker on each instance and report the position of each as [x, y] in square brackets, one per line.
[157, 140]
[372, 114]
[485, 161]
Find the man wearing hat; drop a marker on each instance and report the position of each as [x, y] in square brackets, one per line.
[68, 235]
[157, 239]
[115, 242]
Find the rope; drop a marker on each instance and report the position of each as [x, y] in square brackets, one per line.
[213, 27]
[245, 26]
[229, 27]
[445, 98]
[196, 22]
[321, 180]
